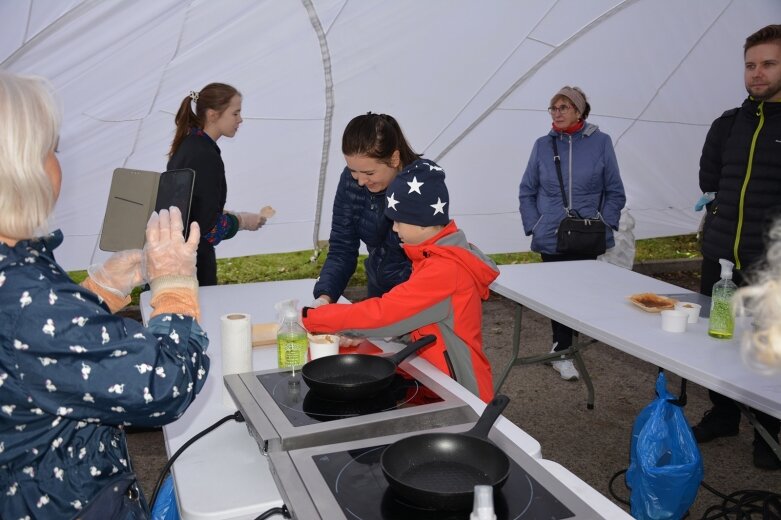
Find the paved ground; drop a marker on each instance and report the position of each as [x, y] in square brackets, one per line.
[593, 444]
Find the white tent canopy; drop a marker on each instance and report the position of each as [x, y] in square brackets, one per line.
[468, 81]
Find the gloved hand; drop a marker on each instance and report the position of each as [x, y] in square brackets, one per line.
[253, 221]
[705, 199]
[319, 301]
[166, 252]
[120, 273]
[350, 341]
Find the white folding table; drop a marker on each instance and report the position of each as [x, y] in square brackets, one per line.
[591, 297]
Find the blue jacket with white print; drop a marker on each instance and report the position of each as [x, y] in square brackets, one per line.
[71, 374]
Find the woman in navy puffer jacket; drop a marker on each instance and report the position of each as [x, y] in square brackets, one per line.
[592, 185]
[375, 150]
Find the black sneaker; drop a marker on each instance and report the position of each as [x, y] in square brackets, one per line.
[714, 425]
[764, 457]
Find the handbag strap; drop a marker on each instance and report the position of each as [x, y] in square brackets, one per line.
[557, 162]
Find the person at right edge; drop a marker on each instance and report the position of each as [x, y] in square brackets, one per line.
[741, 164]
[590, 179]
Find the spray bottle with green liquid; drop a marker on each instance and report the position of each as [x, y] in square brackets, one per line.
[292, 342]
[721, 324]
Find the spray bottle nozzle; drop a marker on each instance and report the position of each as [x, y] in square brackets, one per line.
[287, 309]
[726, 269]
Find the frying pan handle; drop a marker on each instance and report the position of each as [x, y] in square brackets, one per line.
[489, 417]
[413, 347]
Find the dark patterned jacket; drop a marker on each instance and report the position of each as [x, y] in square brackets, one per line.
[71, 374]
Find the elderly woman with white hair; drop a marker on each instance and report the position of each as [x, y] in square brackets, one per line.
[72, 373]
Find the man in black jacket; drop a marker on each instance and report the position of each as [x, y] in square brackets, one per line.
[741, 163]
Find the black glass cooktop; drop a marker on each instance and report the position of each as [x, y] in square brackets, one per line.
[303, 407]
[356, 480]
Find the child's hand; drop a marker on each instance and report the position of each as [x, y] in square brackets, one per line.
[350, 341]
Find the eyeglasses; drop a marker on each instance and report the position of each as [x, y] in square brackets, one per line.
[562, 109]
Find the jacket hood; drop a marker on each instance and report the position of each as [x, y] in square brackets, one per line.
[451, 243]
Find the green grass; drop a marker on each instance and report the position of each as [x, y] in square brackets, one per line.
[292, 266]
[668, 248]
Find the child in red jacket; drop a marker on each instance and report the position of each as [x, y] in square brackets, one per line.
[449, 280]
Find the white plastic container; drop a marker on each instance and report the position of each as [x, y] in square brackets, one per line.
[692, 310]
[674, 321]
[321, 345]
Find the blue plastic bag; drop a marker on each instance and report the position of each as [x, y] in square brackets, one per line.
[665, 468]
[165, 507]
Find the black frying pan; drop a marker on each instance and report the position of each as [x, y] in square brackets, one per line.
[356, 376]
[440, 470]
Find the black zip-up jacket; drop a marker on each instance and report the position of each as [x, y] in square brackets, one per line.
[359, 216]
[741, 162]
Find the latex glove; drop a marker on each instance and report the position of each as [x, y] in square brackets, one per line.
[253, 221]
[705, 199]
[120, 273]
[350, 341]
[165, 252]
[320, 301]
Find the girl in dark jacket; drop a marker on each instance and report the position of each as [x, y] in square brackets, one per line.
[375, 150]
[217, 114]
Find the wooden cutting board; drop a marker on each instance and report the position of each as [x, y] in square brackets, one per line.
[264, 334]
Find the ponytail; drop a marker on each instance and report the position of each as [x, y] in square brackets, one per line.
[185, 119]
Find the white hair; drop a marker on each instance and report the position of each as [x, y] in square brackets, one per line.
[761, 346]
[29, 128]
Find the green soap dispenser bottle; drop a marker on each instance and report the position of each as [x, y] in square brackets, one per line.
[292, 341]
[721, 323]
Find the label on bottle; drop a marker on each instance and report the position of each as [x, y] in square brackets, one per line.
[292, 348]
[721, 323]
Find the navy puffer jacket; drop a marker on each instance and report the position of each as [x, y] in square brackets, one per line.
[358, 216]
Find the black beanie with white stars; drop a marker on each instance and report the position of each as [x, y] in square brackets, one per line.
[418, 195]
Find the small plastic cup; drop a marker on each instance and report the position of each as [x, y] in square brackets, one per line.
[674, 321]
[692, 310]
[321, 345]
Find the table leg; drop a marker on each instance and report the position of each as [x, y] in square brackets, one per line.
[584, 373]
[572, 352]
[516, 348]
[761, 429]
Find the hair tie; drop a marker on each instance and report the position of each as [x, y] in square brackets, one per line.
[194, 95]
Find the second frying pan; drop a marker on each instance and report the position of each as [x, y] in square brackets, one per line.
[440, 470]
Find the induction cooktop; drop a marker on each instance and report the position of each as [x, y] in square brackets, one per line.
[344, 481]
[282, 413]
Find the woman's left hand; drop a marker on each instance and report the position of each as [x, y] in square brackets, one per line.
[120, 274]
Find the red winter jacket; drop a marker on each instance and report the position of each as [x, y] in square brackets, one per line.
[443, 295]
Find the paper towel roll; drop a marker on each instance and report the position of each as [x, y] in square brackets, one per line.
[236, 343]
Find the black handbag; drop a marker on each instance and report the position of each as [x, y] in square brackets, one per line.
[577, 235]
